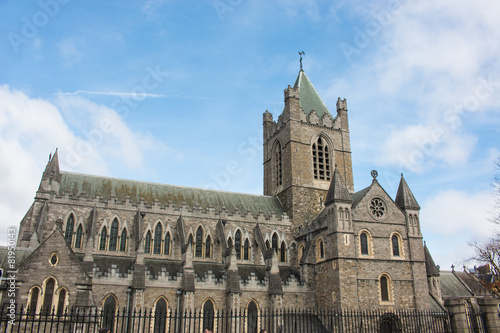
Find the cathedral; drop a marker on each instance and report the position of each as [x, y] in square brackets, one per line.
[310, 240]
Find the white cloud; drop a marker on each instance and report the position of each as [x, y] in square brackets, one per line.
[152, 9]
[453, 212]
[440, 58]
[134, 95]
[416, 147]
[90, 138]
[69, 50]
[295, 8]
[451, 219]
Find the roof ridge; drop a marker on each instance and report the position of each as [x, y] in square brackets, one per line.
[164, 184]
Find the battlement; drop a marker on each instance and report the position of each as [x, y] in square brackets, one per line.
[341, 104]
[291, 92]
[326, 121]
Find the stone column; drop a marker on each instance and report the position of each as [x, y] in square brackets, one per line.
[458, 315]
[489, 309]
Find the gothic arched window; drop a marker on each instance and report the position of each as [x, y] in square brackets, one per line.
[282, 252]
[70, 225]
[363, 239]
[385, 292]
[208, 247]
[113, 235]
[147, 243]
[78, 237]
[246, 250]
[321, 159]
[320, 249]
[35, 293]
[301, 252]
[104, 236]
[274, 242]
[61, 303]
[237, 244]
[48, 295]
[123, 241]
[157, 241]
[199, 242]
[278, 165]
[395, 245]
[166, 250]
[347, 218]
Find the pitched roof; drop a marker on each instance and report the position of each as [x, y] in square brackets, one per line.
[337, 190]
[106, 187]
[309, 97]
[452, 286]
[404, 197]
[356, 197]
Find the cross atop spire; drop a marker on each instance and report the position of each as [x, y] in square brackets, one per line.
[301, 53]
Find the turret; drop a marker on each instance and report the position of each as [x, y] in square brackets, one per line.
[342, 114]
[338, 205]
[292, 104]
[407, 202]
[432, 275]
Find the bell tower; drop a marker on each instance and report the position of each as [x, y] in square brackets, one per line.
[303, 148]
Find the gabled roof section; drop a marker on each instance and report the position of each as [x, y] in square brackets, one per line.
[106, 187]
[404, 197]
[357, 196]
[430, 266]
[452, 286]
[56, 241]
[309, 97]
[337, 191]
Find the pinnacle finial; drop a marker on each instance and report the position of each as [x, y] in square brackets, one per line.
[301, 53]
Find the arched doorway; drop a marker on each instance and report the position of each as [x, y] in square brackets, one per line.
[160, 316]
[253, 317]
[389, 323]
[108, 314]
[208, 314]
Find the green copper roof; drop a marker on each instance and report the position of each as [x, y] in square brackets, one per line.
[106, 187]
[309, 97]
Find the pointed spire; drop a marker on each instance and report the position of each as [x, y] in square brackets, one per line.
[52, 169]
[309, 97]
[404, 197]
[337, 191]
[431, 268]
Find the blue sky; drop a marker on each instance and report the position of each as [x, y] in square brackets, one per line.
[174, 91]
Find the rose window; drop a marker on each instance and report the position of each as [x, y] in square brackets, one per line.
[377, 208]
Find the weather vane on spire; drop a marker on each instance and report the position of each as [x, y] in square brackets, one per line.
[301, 53]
